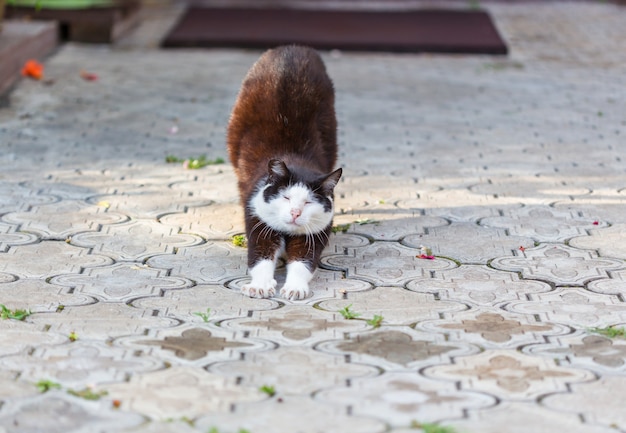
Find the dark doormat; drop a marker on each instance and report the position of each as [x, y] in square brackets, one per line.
[425, 30]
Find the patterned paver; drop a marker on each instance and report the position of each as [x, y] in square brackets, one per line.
[510, 170]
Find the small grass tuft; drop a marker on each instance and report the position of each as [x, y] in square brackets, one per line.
[610, 332]
[240, 241]
[204, 316]
[45, 385]
[375, 321]
[347, 313]
[431, 427]
[341, 228]
[364, 221]
[87, 394]
[6, 313]
[194, 163]
[268, 389]
[215, 430]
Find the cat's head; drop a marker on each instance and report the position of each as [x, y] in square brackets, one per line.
[295, 201]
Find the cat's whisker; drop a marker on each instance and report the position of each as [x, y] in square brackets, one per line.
[256, 226]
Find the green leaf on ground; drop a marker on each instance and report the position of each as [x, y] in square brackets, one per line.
[610, 332]
[6, 313]
[46, 385]
[347, 313]
[375, 321]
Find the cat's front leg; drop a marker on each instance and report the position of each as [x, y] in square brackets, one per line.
[297, 283]
[264, 247]
[303, 255]
[263, 284]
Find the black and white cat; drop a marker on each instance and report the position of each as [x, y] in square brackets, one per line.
[282, 142]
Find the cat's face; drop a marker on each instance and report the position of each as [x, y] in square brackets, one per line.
[295, 203]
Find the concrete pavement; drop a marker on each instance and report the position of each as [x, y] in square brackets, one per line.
[512, 171]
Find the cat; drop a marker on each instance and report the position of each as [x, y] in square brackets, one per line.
[282, 143]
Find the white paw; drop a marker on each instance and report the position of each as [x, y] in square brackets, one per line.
[263, 290]
[295, 293]
[297, 284]
[263, 284]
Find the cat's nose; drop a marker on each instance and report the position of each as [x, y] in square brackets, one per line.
[295, 213]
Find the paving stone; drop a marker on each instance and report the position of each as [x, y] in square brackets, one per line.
[17, 337]
[9, 237]
[219, 221]
[446, 198]
[61, 220]
[536, 191]
[216, 301]
[340, 242]
[559, 264]
[616, 285]
[101, 321]
[209, 263]
[509, 375]
[462, 214]
[398, 306]
[599, 208]
[391, 225]
[192, 344]
[293, 412]
[468, 243]
[477, 285]
[135, 241]
[39, 296]
[121, 282]
[542, 223]
[290, 370]
[214, 183]
[294, 325]
[147, 202]
[16, 198]
[400, 398]
[397, 348]
[168, 426]
[11, 388]
[79, 184]
[385, 263]
[524, 417]
[372, 193]
[597, 402]
[608, 242]
[493, 328]
[585, 350]
[47, 259]
[86, 183]
[7, 278]
[573, 306]
[179, 392]
[79, 364]
[55, 412]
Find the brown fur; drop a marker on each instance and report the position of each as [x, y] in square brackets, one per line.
[285, 110]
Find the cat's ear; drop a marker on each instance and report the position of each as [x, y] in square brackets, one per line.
[331, 181]
[277, 169]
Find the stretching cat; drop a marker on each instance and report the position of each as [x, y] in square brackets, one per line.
[282, 142]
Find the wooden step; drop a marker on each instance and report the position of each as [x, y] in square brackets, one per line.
[21, 41]
[103, 24]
